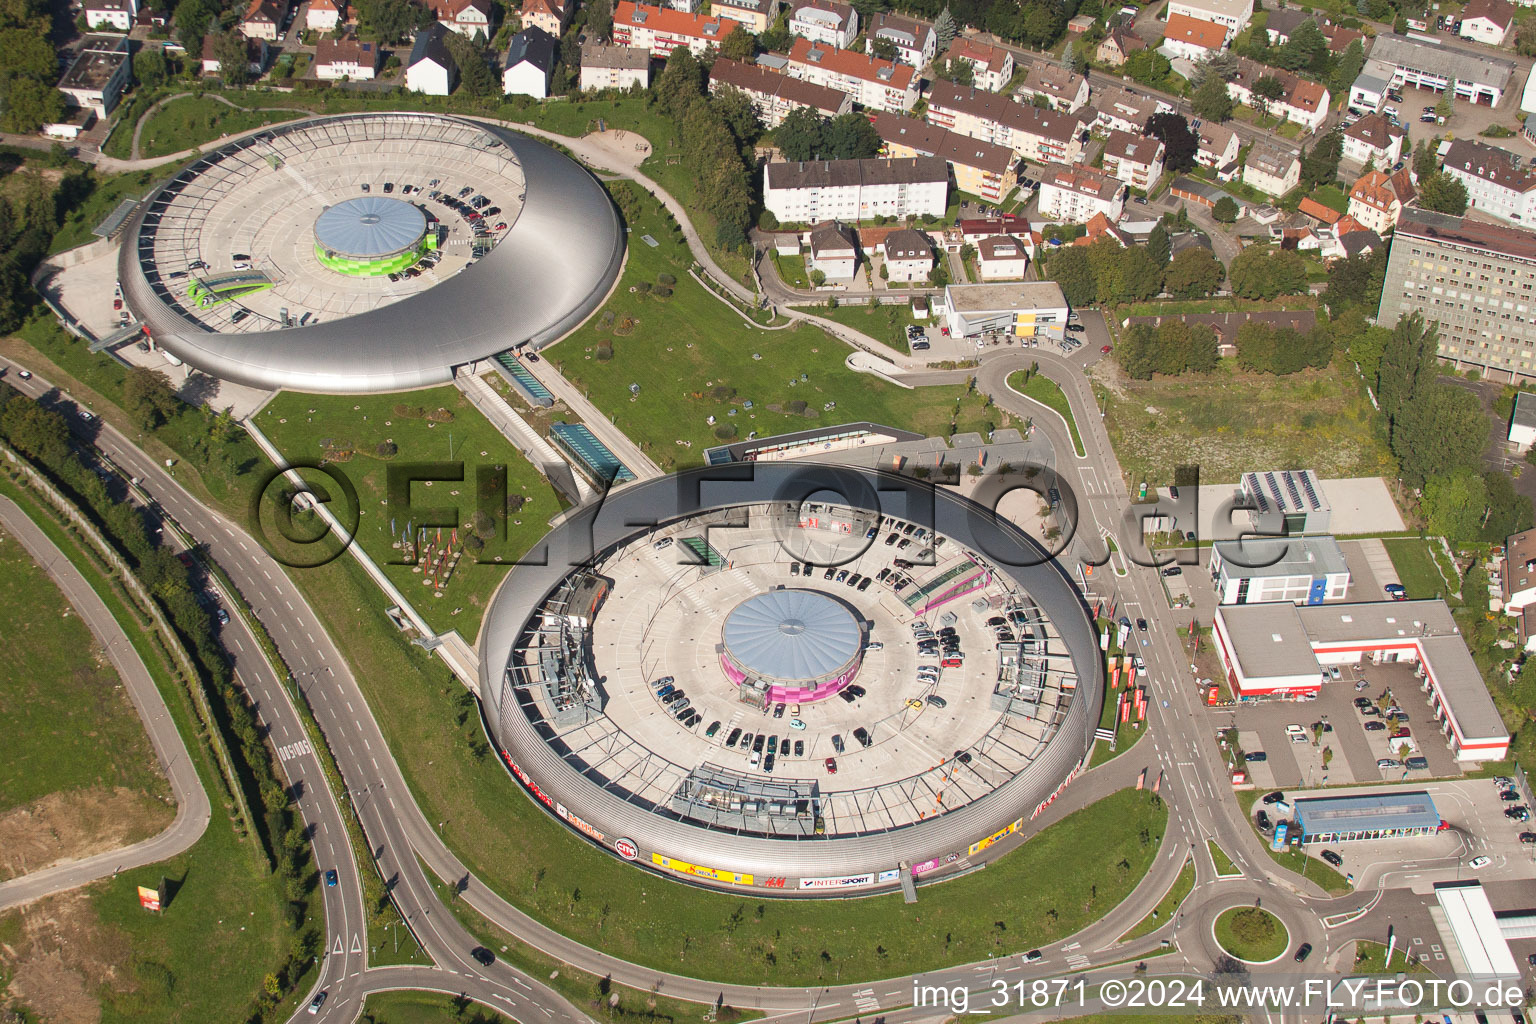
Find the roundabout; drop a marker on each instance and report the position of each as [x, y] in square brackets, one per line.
[1251, 934]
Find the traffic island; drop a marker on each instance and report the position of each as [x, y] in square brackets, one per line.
[1251, 935]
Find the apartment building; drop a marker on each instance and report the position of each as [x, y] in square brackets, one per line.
[529, 64]
[614, 67]
[1374, 140]
[916, 43]
[348, 58]
[1042, 136]
[874, 83]
[662, 30]
[1059, 87]
[549, 15]
[1487, 21]
[754, 15]
[1476, 281]
[1305, 102]
[262, 19]
[855, 190]
[774, 95]
[1001, 258]
[1136, 160]
[1218, 149]
[908, 255]
[991, 66]
[1116, 108]
[324, 15]
[1232, 15]
[467, 17]
[1497, 184]
[1377, 199]
[111, 15]
[824, 21]
[1075, 194]
[979, 168]
[1193, 38]
[96, 79]
[1272, 169]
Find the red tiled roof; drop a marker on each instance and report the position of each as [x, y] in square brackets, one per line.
[1205, 34]
[1312, 208]
[667, 21]
[852, 64]
[994, 57]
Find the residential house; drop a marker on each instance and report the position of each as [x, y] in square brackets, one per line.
[324, 15]
[1218, 149]
[466, 17]
[1358, 241]
[1368, 94]
[1001, 258]
[430, 68]
[1487, 21]
[1119, 44]
[1192, 38]
[973, 229]
[1374, 140]
[1136, 160]
[662, 30]
[530, 63]
[980, 168]
[1497, 183]
[1060, 88]
[908, 255]
[775, 95]
[1041, 136]
[1115, 108]
[550, 15]
[991, 66]
[114, 15]
[824, 21]
[873, 83]
[614, 67]
[1098, 227]
[257, 55]
[1518, 580]
[348, 58]
[1285, 20]
[916, 43]
[1377, 199]
[1232, 15]
[1272, 169]
[754, 15]
[1303, 101]
[1317, 211]
[263, 18]
[855, 190]
[1072, 195]
[95, 80]
[833, 252]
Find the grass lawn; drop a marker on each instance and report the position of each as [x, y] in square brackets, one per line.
[1049, 394]
[1229, 421]
[1417, 568]
[886, 323]
[69, 727]
[694, 357]
[193, 120]
[1166, 906]
[1371, 958]
[1252, 934]
[1224, 865]
[423, 1008]
[792, 270]
[1332, 197]
[308, 426]
[107, 190]
[94, 952]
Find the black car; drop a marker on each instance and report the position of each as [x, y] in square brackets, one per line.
[963, 756]
[1264, 823]
[1528, 838]
[862, 735]
[1508, 795]
[857, 690]
[1517, 812]
[1375, 727]
[1076, 327]
[1173, 570]
[1303, 951]
[1257, 755]
[864, 584]
[389, 186]
[837, 743]
[1274, 798]
[778, 711]
[735, 735]
[799, 748]
[1141, 624]
[831, 571]
[768, 764]
[1332, 858]
[848, 698]
[757, 744]
[483, 956]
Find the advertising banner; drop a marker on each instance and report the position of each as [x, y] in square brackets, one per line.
[718, 874]
[626, 848]
[1007, 830]
[888, 876]
[149, 898]
[838, 882]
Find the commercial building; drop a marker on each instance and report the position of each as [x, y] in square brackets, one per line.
[1257, 570]
[775, 95]
[1282, 649]
[348, 58]
[1487, 21]
[1368, 93]
[991, 66]
[979, 168]
[1061, 89]
[873, 83]
[855, 190]
[1522, 427]
[1428, 65]
[1480, 937]
[915, 42]
[530, 63]
[1028, 309]
[824, 21]
[1233, 15]
[430, 68]
[662, 30]
[1374, 140]
[1075, 194]
[753, 15]
[1378, 199]
[1041, 136]
[114, 15]
[1497, 183]
[96, 79]
[614, 67]
[1393, 814]
[1192, 38]
[1136, 160]
[1475, 281]
[1272, 168]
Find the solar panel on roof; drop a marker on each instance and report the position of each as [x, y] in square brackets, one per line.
[1306, 482]
[1290, 485]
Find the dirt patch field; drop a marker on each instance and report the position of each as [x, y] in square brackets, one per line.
[56, 954]
[75, 824]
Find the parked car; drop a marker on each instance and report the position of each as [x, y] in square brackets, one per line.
[1255, 755]
[862, 735]
[837, 743]
[937, 702]
[1388, 762]
[831, 765]
[1332, 858]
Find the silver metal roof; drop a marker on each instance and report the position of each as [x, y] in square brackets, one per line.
[369, 227]
[548, 273]
[792, 634]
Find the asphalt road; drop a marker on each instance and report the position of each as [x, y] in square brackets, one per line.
[192, 806]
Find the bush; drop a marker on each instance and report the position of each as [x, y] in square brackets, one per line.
[662, 292]
[604, 351]
[440, 416]
[386, 449]
[643, 287]
[666, 279]
[725, 431]
[410, 412]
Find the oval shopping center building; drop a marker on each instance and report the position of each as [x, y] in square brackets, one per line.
[792, 679]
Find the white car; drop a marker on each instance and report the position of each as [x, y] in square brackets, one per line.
[874, 645]
[1479, 862]
[1389, 762]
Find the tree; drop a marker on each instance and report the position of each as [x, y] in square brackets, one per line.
[1426, 158]
[735, 109]
[883, 48]
[1267, 89]
[868, 9]
[1437, 433]
[1069, 267]
[1211, 101]
[1302, 48]
[387, 20]
[475, 75]
[944, 30]
[1443, 109]
[959, 71]
[1443, 193]
[1347, 68]
[149, 397]
[1141, 274]
[1525, 39]
[1508, 511]
[739, 45]
[850, 136]
[234, 59]
[150, 67]
[1179, 143]
[1148, 67]
[1454, 505]
[681, 82]
[1320, 166]
[1159, 244]
[1073, 59]
[28, 104]
[1264, 272]
[1225, 210]
[799, 134]
[599, 19]
[1356, 280]
[1194, 274]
